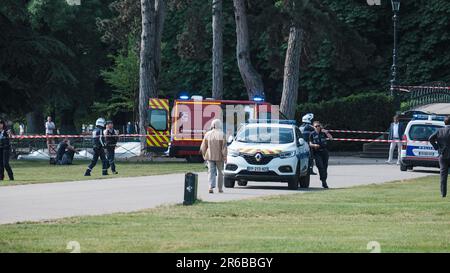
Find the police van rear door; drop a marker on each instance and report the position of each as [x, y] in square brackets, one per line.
[418, 145]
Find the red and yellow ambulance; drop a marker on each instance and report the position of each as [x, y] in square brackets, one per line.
[177, 128]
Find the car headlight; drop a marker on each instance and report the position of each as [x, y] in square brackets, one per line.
[287, 154]
[233, 153]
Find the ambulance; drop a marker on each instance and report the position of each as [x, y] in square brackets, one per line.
[176, 128]
[416, 149]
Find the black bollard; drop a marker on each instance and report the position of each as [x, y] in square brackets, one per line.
[190, 188]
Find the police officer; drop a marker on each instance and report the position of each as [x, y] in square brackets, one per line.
[98, 141]
[306, 129]
[111, 142]
[441, 142]
[5, 149]
[318, 142]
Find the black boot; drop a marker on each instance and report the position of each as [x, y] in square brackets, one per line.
[105, 172]
[87, 173]
[324, 184]
[11, 177]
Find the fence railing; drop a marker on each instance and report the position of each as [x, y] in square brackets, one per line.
[415, 96]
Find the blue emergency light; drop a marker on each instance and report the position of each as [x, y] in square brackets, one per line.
[428, 117]
[258, 99]
[184, 95]
[278, 121]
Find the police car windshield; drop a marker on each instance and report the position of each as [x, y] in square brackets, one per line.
[266, 134]
[422, 132]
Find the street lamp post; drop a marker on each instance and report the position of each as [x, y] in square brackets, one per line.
[395, 9]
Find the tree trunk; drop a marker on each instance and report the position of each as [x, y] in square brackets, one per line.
[160, 16]
[252, 80]
[67, 122]
[291, 73]
[35, 122]
[217, 59]
[147, 81]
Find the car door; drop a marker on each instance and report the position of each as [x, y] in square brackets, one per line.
[302, 151]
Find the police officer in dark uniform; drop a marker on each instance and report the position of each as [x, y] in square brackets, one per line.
[111, 142]
[306, 128]
[318, 142]
[5, 150]
[98, 140]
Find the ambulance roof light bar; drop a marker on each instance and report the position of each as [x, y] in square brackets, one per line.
[258, 99]
[428, 117]
[278, 121]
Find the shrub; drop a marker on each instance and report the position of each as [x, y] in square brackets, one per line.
[368, 111]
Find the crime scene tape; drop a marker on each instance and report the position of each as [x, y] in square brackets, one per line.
[69, 136]
[374, 140]
[357, 132]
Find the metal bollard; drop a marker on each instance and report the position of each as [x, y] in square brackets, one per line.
[190, 188]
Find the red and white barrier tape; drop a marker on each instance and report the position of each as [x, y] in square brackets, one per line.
[375, 140]
[357, 132]
[68, 136]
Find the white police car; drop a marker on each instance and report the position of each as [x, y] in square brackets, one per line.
[269, 150]
[416, 149]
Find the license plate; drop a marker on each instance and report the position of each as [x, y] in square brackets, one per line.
[257, 169]
[426, 154]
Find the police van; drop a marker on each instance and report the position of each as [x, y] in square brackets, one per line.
[416, 149]
[268, 150]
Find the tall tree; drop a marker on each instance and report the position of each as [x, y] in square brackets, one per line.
[291, 72]
[147, 80]
[160, 15]
[292, 65]
[217, 57]
[252, 79]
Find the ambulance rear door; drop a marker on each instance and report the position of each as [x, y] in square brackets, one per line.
[158, 129]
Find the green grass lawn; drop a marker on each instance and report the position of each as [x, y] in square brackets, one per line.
[29, 172]
[404, 216]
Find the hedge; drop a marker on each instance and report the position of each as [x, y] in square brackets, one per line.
[368, 111]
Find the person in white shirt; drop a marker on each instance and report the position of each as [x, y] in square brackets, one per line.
[50, 129]
[396, 132]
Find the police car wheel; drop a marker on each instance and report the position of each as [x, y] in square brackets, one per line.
[403, 167]
[304, 180]
[294, 181]
[229, 183]
[242, 183]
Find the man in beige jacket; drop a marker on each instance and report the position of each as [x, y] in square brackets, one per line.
[214, 151]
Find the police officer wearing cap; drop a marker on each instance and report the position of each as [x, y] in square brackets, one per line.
[306, 128]
[98, 141]
[111, 142]
[318, 142]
